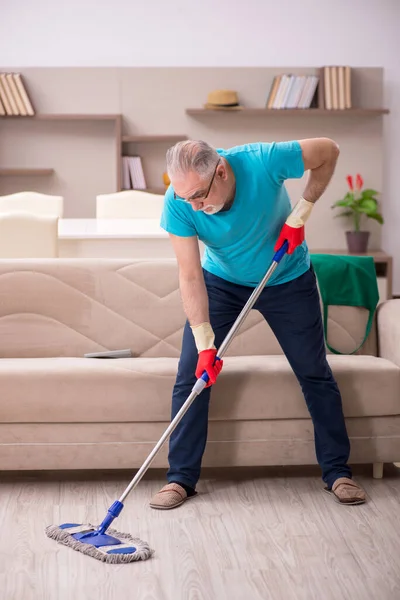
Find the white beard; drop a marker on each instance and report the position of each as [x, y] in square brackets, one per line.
[212, 209]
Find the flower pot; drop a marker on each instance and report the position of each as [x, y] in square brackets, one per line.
[357, 241]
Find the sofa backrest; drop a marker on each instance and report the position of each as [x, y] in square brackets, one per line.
[69, 307]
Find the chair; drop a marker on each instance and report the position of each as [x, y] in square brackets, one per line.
[33, 202]
[129, 204]
[24, 235]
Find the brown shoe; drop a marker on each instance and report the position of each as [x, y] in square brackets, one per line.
[170, 496]
[347, 491]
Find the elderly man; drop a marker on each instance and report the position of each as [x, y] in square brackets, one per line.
[236, 203]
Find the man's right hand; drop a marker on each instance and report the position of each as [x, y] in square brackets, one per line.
[206, 362]
[195, 303]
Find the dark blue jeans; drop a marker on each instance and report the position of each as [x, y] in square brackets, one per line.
[293, 312]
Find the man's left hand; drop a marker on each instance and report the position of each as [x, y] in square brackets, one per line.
[293, 229]
[293, 235]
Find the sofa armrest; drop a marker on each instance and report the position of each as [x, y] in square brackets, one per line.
[389, 330]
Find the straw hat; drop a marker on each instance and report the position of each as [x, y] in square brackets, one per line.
[223, 100]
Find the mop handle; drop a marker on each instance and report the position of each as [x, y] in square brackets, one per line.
[201, 382]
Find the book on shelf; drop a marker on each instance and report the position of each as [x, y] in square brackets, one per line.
[337, 87]
[14, 99]
[19, 103]
[133, 177]
[293, 91]
[4, 97]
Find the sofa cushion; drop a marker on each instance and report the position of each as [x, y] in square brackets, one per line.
[71, 307]
[69, 390]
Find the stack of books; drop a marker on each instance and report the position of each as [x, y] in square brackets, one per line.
[14, 100]
[337, 87]
[132, 173]
[330, 89]
[293, 91]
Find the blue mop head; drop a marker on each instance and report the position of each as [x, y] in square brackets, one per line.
[111, 547]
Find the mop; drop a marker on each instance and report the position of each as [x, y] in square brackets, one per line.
[109, 545]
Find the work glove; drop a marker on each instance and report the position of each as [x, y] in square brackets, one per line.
[207, 363]
[204, 340]
[293, 228]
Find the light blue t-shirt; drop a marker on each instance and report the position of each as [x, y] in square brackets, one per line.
[239, 243]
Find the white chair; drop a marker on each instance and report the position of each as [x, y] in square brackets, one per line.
[24, 235]
[129, 204]
[33, 202]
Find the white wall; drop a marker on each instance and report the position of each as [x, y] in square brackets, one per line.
[220, 33]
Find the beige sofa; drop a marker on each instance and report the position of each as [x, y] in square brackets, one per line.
[60, 410]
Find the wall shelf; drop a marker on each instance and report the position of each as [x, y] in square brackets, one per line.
[153, 138]
[304, 112]
[78, 117]
[25, 172]
[114, 118]
[65, 117]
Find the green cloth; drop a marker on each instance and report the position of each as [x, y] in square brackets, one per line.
[346, 281]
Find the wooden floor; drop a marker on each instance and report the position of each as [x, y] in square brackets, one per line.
[264, 535]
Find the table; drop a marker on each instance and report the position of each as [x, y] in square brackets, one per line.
[113, 238]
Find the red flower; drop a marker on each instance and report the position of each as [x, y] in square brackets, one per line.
[350, 181]
[359, 181]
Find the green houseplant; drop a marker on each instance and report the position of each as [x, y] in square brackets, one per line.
[358, 204]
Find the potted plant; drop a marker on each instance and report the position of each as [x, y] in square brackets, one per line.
[358, 204]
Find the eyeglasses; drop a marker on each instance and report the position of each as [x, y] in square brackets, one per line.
[200, 198]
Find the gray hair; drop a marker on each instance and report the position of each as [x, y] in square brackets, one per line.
[192, 155]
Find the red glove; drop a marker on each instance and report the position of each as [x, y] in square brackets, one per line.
[294, 236]
[207, 362]
[293, 229]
